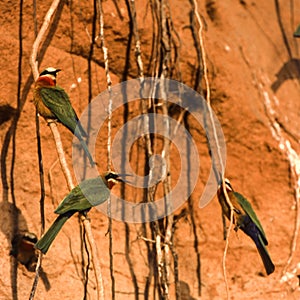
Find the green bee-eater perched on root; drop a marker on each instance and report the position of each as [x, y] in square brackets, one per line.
[245, 219]
[52, 102]
[98, 191]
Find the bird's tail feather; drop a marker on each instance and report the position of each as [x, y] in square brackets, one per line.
[263, 252]
[84, 146]
[46, 240]
[82, 131]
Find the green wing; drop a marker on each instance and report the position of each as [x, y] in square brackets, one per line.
[247, 207]
[88, 193]
[57, 100]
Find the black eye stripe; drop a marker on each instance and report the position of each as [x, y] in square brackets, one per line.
[111, 176]
[46, 72]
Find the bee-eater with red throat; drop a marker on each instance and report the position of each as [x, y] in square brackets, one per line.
[98, 191]
[246, 219]
[23, 249]
[52, 102]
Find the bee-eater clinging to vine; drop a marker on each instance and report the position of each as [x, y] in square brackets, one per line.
[245, 219]
[98, 191]
[52, 102]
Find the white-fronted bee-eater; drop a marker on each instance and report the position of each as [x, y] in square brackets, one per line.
[98, 191]
[246, 219]
[52, 102]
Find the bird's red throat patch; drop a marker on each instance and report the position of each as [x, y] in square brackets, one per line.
[46, 81]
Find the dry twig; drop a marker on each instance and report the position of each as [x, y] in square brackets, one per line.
[227, 236]
[109, 136]
[34, 68]
[215, 137]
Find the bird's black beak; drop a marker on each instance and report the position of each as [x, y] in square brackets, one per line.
[122, 178]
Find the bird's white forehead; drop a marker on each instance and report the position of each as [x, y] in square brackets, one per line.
[50, 69]
[228, 184]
